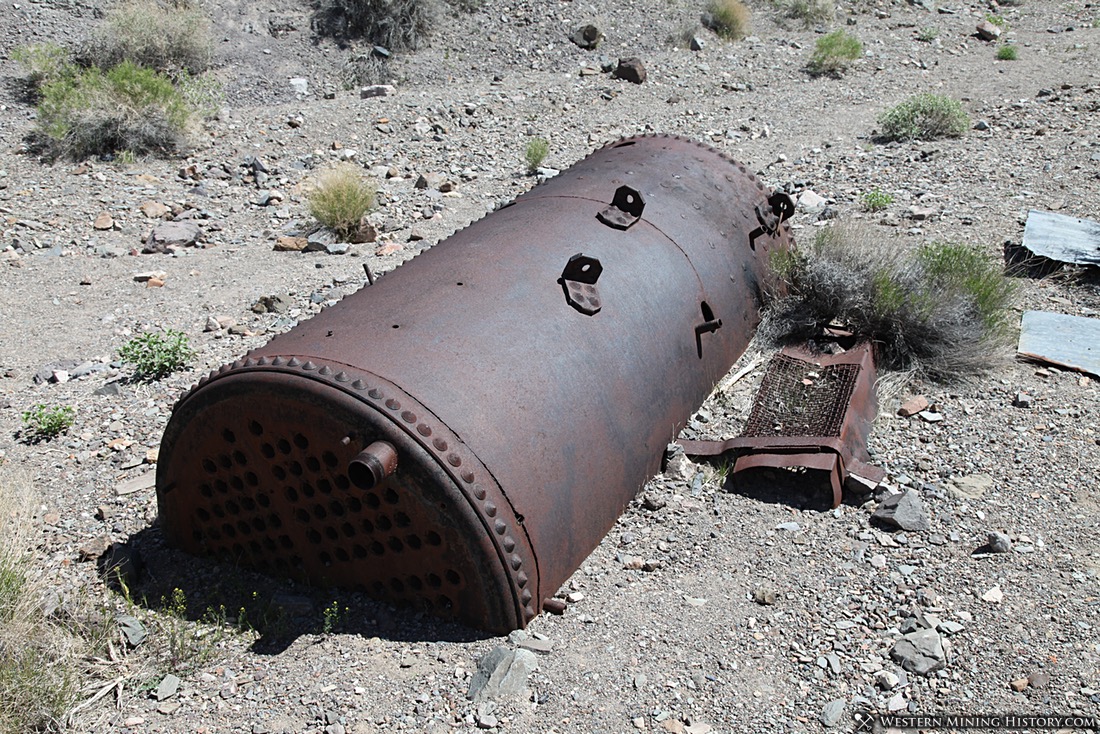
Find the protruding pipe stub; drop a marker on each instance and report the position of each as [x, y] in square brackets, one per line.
[373, 465]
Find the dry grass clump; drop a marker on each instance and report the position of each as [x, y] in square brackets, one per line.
[91, 112]
[398, 25]
[341, 198]
[809, 12]
[924, 117]
[169, 36]
[940, 310]
[730, 19]
[39, 658]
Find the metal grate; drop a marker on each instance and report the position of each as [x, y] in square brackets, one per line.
[799, 398]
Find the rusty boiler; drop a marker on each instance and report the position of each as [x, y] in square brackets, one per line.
[461, 434]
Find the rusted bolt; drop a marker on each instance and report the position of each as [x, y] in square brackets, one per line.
[373, 464]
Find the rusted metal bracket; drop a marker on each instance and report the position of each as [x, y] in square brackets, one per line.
[812, 411]
[579, 282]
[626, 209]
[780, 208]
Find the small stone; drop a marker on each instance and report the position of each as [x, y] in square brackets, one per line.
[981, 125]
[587, 37]
[429, 180]
[631, 69]
[920, 652]
[137, 484]
[652, 565]
[790, 527]
[169, 236]
[376, 90]
[811, 202]
[921, 213]
[501, 673]
[543, 647]
[1039, 679]
[300, 85]
[1018, 685]
[168, 687]
[886, 680]
[104, 221]
[133, 721]
[388, 249]
[154, 210]
[150, 275]
[1022, 400]
[994, 595]
[696, 43]
[988, 31]
[290, 244]
[574, 597]
[94, 548]
[168, 708]
[912, 406]
[929, 416]
[999, 543]
[832, 713]
[764, 595]
[904, 511]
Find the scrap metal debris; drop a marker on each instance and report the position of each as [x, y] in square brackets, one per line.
[1066, 341]
[1071, 240]
[812, 411]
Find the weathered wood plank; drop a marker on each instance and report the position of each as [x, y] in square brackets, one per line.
[1065, 341]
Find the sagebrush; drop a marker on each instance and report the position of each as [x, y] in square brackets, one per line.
[535, 153]
[834, 53]
[1007, 52]
[924, 117]
[398, 25]
[341, 198]
[41, 656]
[157, 354]
[92, 112]
[730, 19]
[42, 62]
[169, 37]
[809, 12]
[941, 309]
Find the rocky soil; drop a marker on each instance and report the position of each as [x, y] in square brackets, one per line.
[713, 605]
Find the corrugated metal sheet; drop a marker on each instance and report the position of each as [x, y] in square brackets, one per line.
[1065, 239]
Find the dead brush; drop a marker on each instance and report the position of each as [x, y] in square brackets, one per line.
[939, 310]
[398, 25]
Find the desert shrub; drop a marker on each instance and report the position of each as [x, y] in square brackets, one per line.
[398, 25]
[940, 309]
[43, 63]
[341, 198]
[167, 36]
[924, 117]
[535, 153]
[361, 70]
[809, 12]
[728, 18]
[40, 658]
[42, 423]
[928, 34]
[876, 200]
[95, 112]
[1007, 52]
[834, 53]
[155, 355]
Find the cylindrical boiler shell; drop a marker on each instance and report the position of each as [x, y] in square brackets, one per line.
[527, 393]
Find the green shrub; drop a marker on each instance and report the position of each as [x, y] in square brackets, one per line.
[876, 200]
[928, 34]
[728, 18]
[941, 309]
[341, 198]
[535, 153]
[398, 25]
[810, 12]
[1007, 52]
[167, 36]
[43, 63]
[155, 355]
[126, 108]
[834, 53]
[924, 117]
[997, 20]
[41, 423]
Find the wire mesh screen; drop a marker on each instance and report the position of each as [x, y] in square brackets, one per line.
[799, 398]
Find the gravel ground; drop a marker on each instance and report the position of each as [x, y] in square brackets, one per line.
[714, 604]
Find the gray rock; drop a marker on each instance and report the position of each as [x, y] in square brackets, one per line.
[970, 487]
[1022, 400]
[811, 202]
[631, 69]
[587, 37]
[168, 687]
[502, 673]
[132, 629]
[376, 90]
[790, 527]
[300, 85]
[999, 543]
[832, 713]
[764, 595]
[920, 652]
[320, 240]
[988, 31]
[169, 236]
[904, 511]
[696, 44]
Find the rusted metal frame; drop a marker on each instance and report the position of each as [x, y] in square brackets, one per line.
[841, 455]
